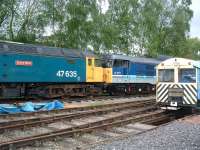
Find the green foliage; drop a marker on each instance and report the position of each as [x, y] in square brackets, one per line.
[133, 27]
[192, 48]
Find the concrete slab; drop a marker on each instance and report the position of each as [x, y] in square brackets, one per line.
[127, 130]
[141, 126]
[107, 134]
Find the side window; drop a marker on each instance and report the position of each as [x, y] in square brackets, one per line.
[187, 75]
[118, 63]
[121, 63]
[98, 63]
[125, 63]
[107, 63]
[89, 62]
[166, 75]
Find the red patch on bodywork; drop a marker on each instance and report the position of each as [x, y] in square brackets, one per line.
[23, 63]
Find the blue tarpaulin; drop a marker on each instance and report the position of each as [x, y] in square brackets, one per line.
[30, 107]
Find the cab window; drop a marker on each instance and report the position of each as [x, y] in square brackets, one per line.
[107, 64]
[89, 62]
[121, 63]
[117, 63]
[98, 63]
[187, 75]
[166, 75]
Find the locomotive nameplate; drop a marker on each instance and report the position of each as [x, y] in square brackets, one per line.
[23, 63]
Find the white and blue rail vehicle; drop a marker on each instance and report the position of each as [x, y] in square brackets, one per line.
[178, 83]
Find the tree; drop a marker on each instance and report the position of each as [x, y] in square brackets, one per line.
[192, 48]
[166, 25]
[149, 27]
[75, 21]
[132, 27]
[23, 21]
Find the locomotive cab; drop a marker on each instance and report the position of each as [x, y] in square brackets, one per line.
[177, 83]
[96, 72]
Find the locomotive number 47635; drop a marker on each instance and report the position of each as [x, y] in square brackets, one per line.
[67, 74]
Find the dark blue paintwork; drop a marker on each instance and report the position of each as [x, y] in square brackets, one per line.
[140, 69]
[128, 69]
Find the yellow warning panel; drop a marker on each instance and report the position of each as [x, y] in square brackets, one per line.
[107, 75]
[95, 72]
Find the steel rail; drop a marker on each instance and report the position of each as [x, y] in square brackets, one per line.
[161, 118]
[47, 120]
[103, 124]
[81, 108]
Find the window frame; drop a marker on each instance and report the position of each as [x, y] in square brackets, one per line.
[179, 77]
[98, 62]
[89, 61]
[158, 78]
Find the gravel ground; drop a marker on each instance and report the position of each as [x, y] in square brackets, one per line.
[174, 136]
[47, 146]
[23, 133]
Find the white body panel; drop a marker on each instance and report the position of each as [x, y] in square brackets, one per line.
[189, 89]
[133, 79]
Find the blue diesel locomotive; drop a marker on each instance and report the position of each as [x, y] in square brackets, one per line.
[39, 71]
[132, 75]
[30, 70]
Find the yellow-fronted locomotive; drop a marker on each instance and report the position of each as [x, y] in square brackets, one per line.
[29, 70]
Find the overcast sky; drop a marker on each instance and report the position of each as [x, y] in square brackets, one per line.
[195, 23]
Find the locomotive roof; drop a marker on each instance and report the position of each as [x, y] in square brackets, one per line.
[181, 62]
[136, 59]
[14, 47]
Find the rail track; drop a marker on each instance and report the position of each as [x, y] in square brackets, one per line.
[82, 108]
[70, 99]
[20, 129]
[87, 111]
[110, 115]
[85, 128]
